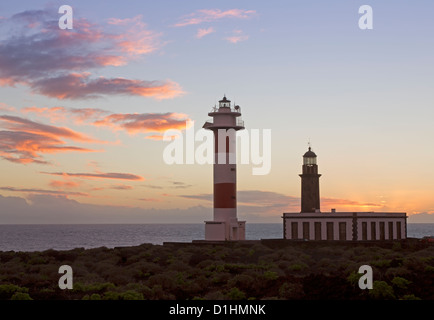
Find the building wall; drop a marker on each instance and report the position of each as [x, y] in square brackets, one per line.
[215, 231]
[294, 227]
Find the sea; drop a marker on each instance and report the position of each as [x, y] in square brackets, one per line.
[40, 237]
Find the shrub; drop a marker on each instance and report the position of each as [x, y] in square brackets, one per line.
[111, 295]
[95, 296]
[400, 283]
[429, 269]
[21, 296]
[382, 263]
[7, 290]
[354, 278]
[381, 290]
[410, 297]
[242, 281]
[236, 294]
[270, 275]
[297, 267]
[132, 295]
[291, 290]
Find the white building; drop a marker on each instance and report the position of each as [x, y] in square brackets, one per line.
[312, 224]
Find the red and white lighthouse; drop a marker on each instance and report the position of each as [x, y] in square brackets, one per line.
[225, 225]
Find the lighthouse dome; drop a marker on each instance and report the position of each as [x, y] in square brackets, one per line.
[309, 154]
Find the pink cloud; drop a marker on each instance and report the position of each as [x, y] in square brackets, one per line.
[203, 32]
[43, 191]
[114, 187]
[25, 141]
[209, 15]
[145, 122]
[6, 107]
[79, 86]
[100, 175]
[28, 126]
[237, 37]
[156, 123]
[56, 63]
[60, 184]
[137, 40]
[56, 114]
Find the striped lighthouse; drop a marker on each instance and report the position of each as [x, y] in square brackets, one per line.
[225, 123]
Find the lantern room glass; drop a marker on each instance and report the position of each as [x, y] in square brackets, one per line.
[309, 161]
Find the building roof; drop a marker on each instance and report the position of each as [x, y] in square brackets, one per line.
[225, 100]
[309, 154]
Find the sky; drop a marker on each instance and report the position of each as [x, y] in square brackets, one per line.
[83, 111]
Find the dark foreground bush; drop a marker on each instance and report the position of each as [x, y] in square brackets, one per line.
[233, 271]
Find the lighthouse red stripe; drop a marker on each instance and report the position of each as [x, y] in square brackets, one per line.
[225, 195]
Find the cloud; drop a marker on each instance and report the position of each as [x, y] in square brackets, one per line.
[120, 187]
[60, 184]
[24, 141]
[79, 86]
[423, 217]
[110, 175]
[57, 209]
[209, 15]
[6, 108]
[21, 124]
[135, 123]
[180, 185]
[268, 203]
[144, 122]
[150, 199]
[237, 36]
[137, 40]
[56, 63]
[153, 186]
[202, 196]
[56, 114]
[331, 202]
[203, 32]
[254, 198]
[44, 191]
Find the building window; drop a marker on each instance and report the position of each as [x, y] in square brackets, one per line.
[398, 230]
[373, 231]
[294, 230]
[329, 230]
[364, 231]
[306, 234]
[382, 232]
[342, 231]
[390, 230]
[317, 230]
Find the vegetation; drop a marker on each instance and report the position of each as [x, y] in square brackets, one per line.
[234, 271]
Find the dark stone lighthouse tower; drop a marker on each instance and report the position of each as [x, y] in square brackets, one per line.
[310, 183]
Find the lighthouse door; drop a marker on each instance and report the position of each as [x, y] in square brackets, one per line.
[234, 233]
